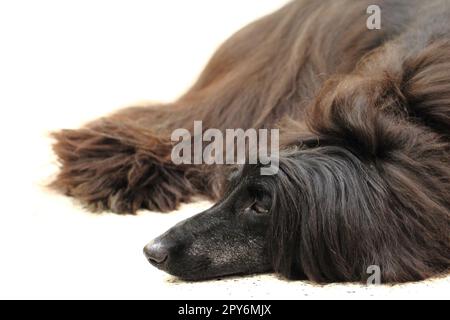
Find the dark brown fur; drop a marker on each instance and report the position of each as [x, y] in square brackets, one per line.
[314, 70]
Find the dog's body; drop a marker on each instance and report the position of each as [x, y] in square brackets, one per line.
[365, 125]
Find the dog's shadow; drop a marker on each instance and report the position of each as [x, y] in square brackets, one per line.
[232, 278]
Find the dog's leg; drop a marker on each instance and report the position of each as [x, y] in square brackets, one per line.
[122, 162]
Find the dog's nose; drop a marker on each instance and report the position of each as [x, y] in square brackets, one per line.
[156, 252]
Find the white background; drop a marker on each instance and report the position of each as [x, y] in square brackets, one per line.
[66, 62]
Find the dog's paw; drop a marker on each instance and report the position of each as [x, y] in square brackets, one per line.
[108, 173]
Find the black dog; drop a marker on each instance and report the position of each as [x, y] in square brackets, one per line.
[364, 172]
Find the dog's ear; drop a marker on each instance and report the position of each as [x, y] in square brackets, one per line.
[329, 210]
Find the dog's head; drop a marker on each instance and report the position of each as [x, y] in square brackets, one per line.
[303, 220]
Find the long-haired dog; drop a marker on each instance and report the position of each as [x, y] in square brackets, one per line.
[364, 169]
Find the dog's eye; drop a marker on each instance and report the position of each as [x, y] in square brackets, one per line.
[260, 201]
[259, 208]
